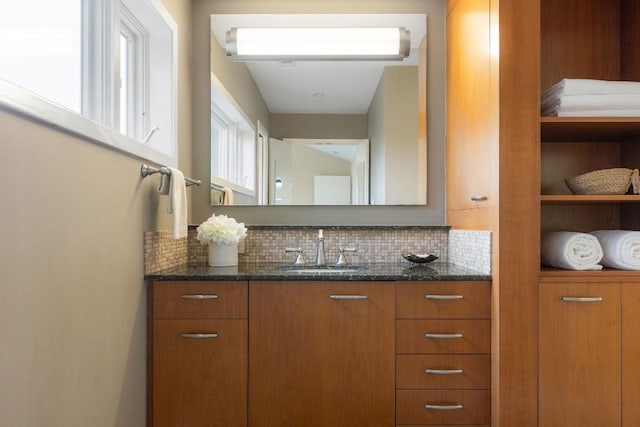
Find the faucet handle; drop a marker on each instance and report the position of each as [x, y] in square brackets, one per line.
[299, 257]
[342, 260]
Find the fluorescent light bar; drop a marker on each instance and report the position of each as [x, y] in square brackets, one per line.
[318, 43]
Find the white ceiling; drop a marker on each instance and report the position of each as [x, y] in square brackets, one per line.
[347, 86]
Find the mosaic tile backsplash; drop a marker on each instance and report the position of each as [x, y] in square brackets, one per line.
[471, 249]
[383, 244]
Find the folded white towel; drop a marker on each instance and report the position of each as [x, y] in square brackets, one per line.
[592, 102]
[177, 204]
[570, 250]
[593, 87]
[621, 248]
[599, 113]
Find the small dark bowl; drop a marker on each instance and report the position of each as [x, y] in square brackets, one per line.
[419, 259]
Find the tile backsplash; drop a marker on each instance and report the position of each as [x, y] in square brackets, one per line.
[373, 244]
[471, 249]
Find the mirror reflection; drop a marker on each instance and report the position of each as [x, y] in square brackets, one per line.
[294, 132]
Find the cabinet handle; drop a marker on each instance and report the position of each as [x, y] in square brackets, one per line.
[443, 336]
[443, 371]
[200, 336]
[333, 296]
[479, 198]
[200, 296]
[581, 299]
[452, 407]
[443, 297]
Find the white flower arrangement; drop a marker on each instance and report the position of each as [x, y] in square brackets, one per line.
[220, 229]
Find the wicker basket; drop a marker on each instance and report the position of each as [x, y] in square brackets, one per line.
[603, 181]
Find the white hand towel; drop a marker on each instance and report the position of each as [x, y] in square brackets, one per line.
[227, 197]
[163, 188]
[571, 250]
[177, 204]
[621, 248]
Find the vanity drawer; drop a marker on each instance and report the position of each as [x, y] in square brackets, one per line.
[443, 407]
[449, 300]
[192, 299]
[443, 336]
[443, 371]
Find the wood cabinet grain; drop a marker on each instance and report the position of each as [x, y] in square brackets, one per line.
[321, 354]
[579, 354]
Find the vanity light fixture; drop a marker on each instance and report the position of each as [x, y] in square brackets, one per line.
[307, 43]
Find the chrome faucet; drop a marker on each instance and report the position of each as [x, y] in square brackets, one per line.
[320, 256]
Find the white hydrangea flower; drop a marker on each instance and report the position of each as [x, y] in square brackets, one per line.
[221, 229]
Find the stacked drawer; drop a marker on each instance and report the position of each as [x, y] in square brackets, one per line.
[443, 361]
[198, 354]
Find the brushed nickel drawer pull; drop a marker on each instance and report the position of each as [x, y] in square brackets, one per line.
[452, 407]
[200, 296]
[443, 371]
[479, 198]
[443, 297]
[334, 296]
[443, 336]
[582, 299]
[200, 336]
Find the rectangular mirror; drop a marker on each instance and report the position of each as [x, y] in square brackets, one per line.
[308, 132]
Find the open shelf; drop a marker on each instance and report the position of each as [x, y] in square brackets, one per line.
[549, 199]
[584, 129]
[548, 274]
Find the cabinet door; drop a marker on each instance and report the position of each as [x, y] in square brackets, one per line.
[472, 119]
[199, 373]
[579, 355]
[322, 354]
[630, 354]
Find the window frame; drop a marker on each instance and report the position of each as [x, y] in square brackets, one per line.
[228, 114]
[99, 96]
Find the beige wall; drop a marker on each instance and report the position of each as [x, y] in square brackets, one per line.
[306, 163]
[376, 138]
[73, 306]
[401, 149]
[433, 213]
[394, 144]
[319, 126]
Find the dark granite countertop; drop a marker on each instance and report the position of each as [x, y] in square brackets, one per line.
[270, 271]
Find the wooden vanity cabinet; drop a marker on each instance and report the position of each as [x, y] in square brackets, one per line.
[318, 353]
[443, 346]
[322, 354]
[197, 355]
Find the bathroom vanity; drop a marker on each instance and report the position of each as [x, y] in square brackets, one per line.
[389, 345]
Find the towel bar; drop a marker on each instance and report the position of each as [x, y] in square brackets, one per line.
[146, 170]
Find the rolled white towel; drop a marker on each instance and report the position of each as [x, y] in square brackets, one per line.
[621, 248]
[570, 250]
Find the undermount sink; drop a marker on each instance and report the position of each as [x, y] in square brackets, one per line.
[321, 269]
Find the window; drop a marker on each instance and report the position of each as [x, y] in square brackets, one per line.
[233, 143]
[59, 60]
[42, 51]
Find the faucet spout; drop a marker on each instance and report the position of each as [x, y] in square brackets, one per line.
[320, 255]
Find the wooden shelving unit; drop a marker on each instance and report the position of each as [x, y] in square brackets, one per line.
[569, 199]
[586, 129]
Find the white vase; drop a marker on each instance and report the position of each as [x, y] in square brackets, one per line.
[224, 255]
